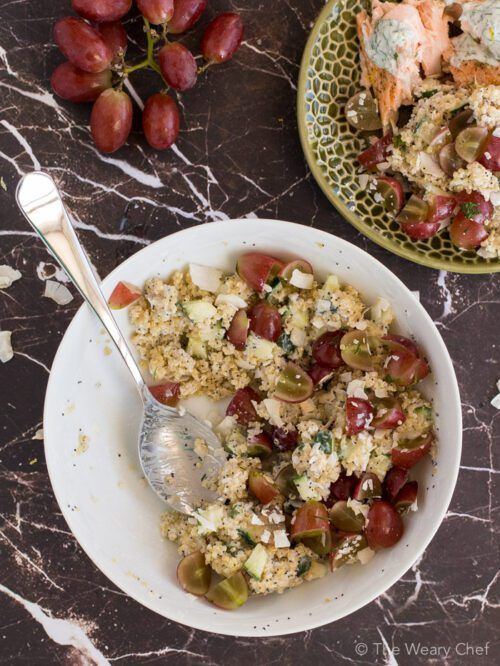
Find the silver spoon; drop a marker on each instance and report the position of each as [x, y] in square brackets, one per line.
[167, 435]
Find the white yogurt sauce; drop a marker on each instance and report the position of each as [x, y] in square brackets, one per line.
[482, 21]
[466, 48]
[390, 40]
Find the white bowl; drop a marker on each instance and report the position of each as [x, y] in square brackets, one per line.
[111, 509]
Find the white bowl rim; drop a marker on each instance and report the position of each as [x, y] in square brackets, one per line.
[439, 516]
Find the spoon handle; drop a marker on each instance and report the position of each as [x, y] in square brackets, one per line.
[39, 199]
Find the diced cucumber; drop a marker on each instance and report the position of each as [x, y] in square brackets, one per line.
[209, 519]
[303, 566]
[247, 537]
[196, 348]
[303, 485]
[317, 570]
[255, 564]
[299, 318]
[199, 311]
[331, 284]
[260, 348]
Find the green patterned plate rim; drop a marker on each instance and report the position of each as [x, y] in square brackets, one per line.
[329, 75]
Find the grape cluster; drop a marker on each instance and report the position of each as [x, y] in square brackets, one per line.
[95, 44]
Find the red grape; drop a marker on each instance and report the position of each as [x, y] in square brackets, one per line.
[326, 350]
[114, 36]
[111, 120]
[388, 414]
[420, 230]
[367, 487]
[490, 159]
[101, 10]
[160, 121]
[473, 206]
[285, 440]
[411, 451]
[167, 393]
[241, 406]
[467, 234]
[392, 193]
[222, 38]
[75, 85]
[156, 11]
[186, 13]
[260, 445]
[359, 414]
[178, 66]
[341, 489]
[406, 342]
[441, 208]
[318, 373]
[311, 520]
[376, 153]
[265, 321]
[258, 269]
[82, 44]
[384, 526]
[261, 487]
[237, 333]
[394, 480]
[406, 497]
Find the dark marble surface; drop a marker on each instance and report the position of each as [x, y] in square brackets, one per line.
[238, 154]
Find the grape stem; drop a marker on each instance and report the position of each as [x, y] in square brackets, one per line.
[149, 61]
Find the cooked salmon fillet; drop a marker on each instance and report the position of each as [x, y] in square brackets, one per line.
[422, 38]
[479, 73]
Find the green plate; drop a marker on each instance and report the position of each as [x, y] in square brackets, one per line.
[329, 75]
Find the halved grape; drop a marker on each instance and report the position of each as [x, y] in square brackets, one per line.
[470, 143]
[285, 439]
[358, 414]
[262, 487]
[284, 481]
[82, 44]
[384, 526]
[294, 384]
[459, 122]
[362, 113]
[388, 414]
[258, 269]
[186, 13]
[376, 153]
[160, 121]
[237, 333]
[75, 85]
[403, 366]
[156, 11]
[114, 36]
[421, 230]
[359, 350]
[415, 210]
[406, 497]
[442, 207]
[343, 518]
[392, 192]
[167, 393]
[241, 406]
[297, 264]
[341, 489]
[319, 373]
[222, 38]
[193, 574]
[490, 158]
[410, 451]
[467, 234]
[368, 487]
[310, 520]
[111, 120]
[449, 160]
[230, 593]
[260, 445]
[440, 139]
[474, 206]
[178, 66]
[321, 544]
[265, 321]
[394, 480]
[346, 549]
[101, 10]
[326, 350]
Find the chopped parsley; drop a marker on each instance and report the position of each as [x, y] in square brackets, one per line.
[304, 565]
[246, 537]
[399, 143]
[285, 343]
[324, 439]
[428, 93]
[469, 209]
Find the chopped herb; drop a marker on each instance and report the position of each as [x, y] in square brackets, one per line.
[324, 439]
[246, 537]
[396, 56]
[233, 511]
[428, 93]
[399, 143]
[469, 209]
[2, 184]
[304, 565]
[333, 308]
[425, 411]
[285, 343]
[274, 283]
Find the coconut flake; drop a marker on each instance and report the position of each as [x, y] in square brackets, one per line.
[265, 536]
[365, 555]
[494, 403]
[8, 275]
[205, 277]
[355, 389]
[38, 434]
[298, 337]
[57, 292]
[6, 351]
[231, 299]
[429, 165]
[273, 408]
[281, 539]
[495, 198]
[255, 520]
[496, 132]
[301, 280]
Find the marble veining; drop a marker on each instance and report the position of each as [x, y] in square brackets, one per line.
[238, 155]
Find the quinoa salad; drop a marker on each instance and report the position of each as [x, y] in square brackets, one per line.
[430, 108]
[324, 420]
